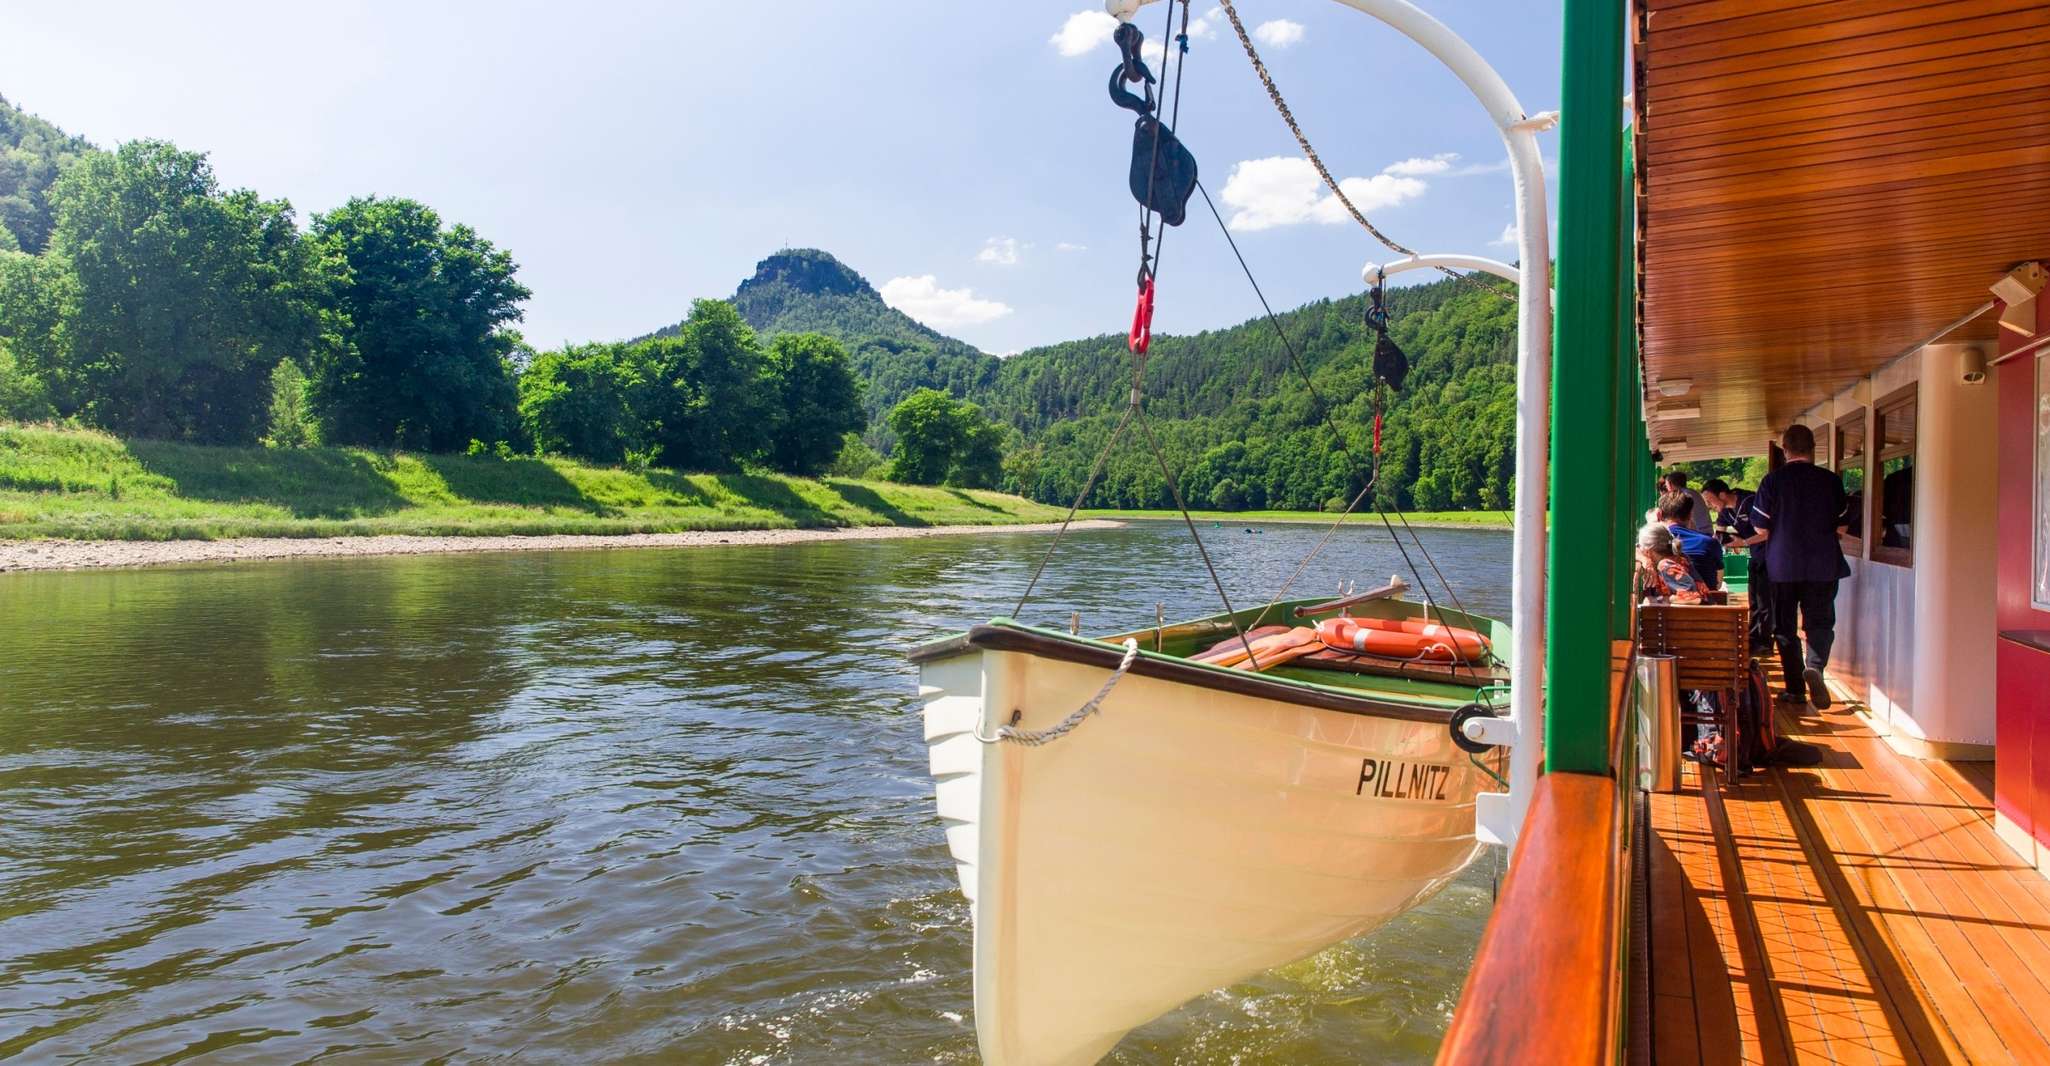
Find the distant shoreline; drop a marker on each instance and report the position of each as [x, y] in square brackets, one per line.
[1422, 519]
[49, 555]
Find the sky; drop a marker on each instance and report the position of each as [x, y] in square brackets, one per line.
[964, 157]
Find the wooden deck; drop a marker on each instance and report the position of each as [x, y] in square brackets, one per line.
[1860, 911]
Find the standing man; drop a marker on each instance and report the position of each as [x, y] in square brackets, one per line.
[1676, 481]
[1796, 510]
[1733, 523]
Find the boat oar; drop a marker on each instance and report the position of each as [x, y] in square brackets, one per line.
[1235, 647]
[1277, 657]
[1265, 647]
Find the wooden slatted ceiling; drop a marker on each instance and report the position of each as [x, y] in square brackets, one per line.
[1823, 185]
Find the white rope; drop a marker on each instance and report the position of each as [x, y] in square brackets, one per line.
[1033, 738]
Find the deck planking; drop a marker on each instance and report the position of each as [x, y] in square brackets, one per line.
[1859, 911]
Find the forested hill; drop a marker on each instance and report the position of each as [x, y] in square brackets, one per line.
[1243, 431]
[1232, 410]
[804, 290]
[32, 152]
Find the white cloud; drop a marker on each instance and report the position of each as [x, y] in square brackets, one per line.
[1421, 166]
[1286, 191]
[1508, 238]
[923, 299]
[1279, 33]
[1083, 32]
[1086, 31]
[1497, 167]
[1069, 246]
[999, 251]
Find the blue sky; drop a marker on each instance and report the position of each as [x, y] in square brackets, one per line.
[962, 156]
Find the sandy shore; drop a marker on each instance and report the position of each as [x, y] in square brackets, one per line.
[100, 554]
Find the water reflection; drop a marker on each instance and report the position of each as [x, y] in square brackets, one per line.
[595, 805]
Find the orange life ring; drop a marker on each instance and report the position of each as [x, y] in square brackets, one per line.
[1407, 638]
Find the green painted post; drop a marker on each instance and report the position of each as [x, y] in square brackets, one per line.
[1628, 408]
[1585, 489]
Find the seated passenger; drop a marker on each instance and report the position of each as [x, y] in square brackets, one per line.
[1666, 575]
[1702, 550]
[1676, 481]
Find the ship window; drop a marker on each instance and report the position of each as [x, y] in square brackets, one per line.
[2040, 590]
[1847, 453]
[1892, 508]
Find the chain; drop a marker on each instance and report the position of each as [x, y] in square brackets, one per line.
[1310, 153]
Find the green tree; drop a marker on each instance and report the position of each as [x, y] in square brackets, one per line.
[291, 409]
[581, 402]
[34, 291]
[929, 434]
[180, 297]
[816, 401]
[858, 460]
[706, 407]
[425, 363]
[21, 394]
[981, 462]
[941, 440]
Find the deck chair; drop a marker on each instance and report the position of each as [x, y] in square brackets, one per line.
[1711, 646]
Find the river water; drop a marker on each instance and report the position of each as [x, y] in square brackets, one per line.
[586, 806]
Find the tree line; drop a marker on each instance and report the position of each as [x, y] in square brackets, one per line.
[158, 304]
[139, 296]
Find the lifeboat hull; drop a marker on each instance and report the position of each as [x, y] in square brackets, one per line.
[1186, 836]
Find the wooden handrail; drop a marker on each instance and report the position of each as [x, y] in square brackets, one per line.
[1545, 985]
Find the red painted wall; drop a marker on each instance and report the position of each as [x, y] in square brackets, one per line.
[2021, 768]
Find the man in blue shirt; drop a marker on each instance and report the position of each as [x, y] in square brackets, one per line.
[1703, 552]
[1798, 509]
[1733, 525]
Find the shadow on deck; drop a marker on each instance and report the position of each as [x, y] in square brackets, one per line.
[1860, 911]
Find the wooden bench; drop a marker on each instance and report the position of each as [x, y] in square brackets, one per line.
[1712, 648]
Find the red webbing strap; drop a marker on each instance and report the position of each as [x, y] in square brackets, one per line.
[1142, 320]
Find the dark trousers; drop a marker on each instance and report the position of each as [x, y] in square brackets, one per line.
[1762, 621]
[1813, 605]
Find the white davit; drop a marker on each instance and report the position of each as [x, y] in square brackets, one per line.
[1204, 825]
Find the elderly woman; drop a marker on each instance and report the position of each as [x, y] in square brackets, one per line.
[1667, 576]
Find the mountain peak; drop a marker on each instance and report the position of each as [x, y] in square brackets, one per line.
[808, 271]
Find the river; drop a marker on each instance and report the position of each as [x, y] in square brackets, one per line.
[662, 805]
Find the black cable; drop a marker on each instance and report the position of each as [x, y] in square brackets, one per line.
[1324, 412]
[1094, 473]
[1175, 491]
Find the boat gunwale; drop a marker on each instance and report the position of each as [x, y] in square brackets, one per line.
[1005, 635]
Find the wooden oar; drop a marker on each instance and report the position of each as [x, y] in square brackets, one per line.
[1234, 645]
[1262, 649]
[1234, 651]
[1269, 659]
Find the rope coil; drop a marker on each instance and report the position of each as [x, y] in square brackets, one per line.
[1033, 738]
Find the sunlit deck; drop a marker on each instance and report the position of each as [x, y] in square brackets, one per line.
[1860, 911]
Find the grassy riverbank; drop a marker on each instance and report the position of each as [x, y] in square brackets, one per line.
[1439, 519]
[87, 485]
